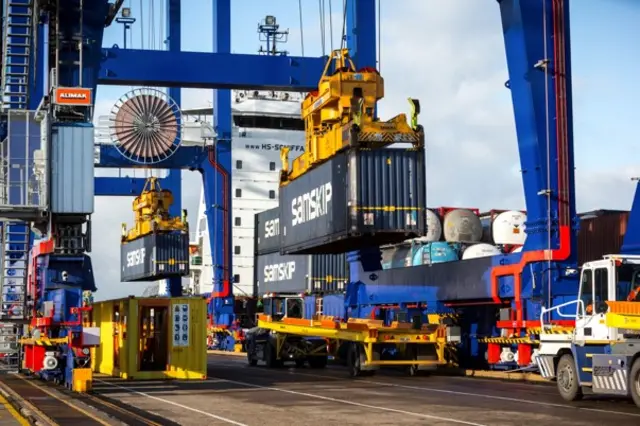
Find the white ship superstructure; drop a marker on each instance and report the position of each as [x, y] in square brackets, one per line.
[263, 122]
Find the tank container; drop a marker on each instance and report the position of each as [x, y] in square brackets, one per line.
[462, 226]
[354, 200]
[508, 228]
[435, 252]
[397, 257]
[434, 227]
[480, 250]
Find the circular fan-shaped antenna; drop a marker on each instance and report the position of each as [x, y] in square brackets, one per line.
[146, 126]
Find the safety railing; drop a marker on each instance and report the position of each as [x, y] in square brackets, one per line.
[545, 311]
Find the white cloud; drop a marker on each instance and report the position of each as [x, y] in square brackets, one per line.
[451, 56]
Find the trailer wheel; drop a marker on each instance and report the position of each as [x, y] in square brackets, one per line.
[353, 360]
[634, 382]
[270, 355]
[251, 359]
[567, 379]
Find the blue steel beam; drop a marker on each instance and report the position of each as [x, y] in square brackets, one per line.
[129, 67]
[174, 179]
[108, 186]
[186, 157]
[217, 168]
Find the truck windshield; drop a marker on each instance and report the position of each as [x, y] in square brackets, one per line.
[628, 282]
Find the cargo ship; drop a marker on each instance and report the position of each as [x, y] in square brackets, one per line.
[264, 122]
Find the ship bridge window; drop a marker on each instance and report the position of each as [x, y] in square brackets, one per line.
[262, 122]
[272, 194]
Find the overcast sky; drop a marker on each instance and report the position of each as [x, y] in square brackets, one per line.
[450, 55]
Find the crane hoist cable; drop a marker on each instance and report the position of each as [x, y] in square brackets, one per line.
[141, 25]
[330, 26]
[343, 38]
[323, 32]
[301, 28]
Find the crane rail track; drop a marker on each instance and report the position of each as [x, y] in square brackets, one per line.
[58, 406]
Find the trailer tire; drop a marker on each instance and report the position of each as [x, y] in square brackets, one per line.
[634, 382]
[271, 355]
[353, 360]
[567, 379]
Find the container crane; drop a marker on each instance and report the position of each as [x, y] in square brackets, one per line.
[53, 127]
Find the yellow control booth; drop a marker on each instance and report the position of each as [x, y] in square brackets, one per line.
[152, 338]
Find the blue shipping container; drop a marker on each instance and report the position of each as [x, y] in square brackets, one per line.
[356, 199]
[155, 257]
[267, 231]
[72, 170]
[329, 273]
[276, 273]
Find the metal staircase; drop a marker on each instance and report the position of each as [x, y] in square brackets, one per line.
[17, 52]
[13, 291]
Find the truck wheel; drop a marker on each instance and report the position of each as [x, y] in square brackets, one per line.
[567, 378]
[634, 382]
[251, 359]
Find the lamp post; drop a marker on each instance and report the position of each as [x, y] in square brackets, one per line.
[126, 20]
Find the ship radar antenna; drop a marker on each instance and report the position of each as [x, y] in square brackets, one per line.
[270, 34]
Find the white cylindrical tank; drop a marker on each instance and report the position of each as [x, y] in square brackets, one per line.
[480, 250]
[434, 227]
[462, 226]
[508, 228]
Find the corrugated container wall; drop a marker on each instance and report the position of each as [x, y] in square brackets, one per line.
[155, 257]
[72, 170]
[278, 273]
[267, 231]
[333, 305]
[601, 232]
[329, 273]
[356, 199]
[173, 330]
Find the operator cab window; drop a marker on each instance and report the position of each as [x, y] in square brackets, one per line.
[628, 282]
[586, 290]
[294, 308]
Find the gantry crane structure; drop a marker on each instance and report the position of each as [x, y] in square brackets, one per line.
[48, 93]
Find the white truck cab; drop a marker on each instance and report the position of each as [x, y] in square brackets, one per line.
[600, 352]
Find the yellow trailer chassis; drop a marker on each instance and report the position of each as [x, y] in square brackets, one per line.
[417, 349]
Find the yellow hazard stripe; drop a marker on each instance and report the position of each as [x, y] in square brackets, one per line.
[508, 340]
[7, 406]
[387, 208]
[550, 331]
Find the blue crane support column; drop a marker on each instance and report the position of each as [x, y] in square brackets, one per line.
[361, 41]
[173, 182]
[217, 180]
[361, 32]
[538, 59]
